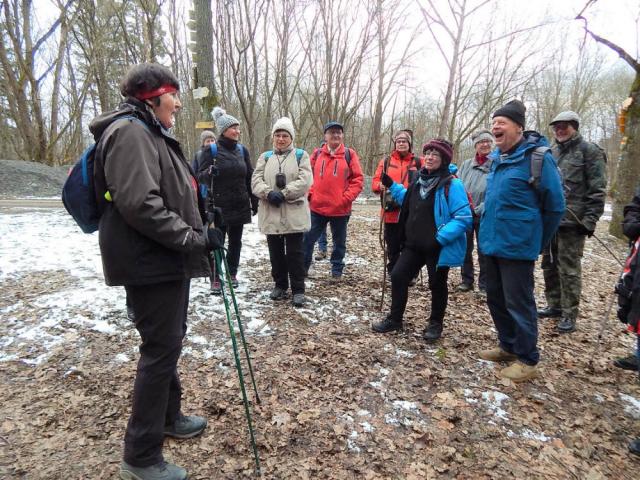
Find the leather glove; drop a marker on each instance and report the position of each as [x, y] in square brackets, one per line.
[214, 238]
[622, 314]
[386, 180]
[275, 198]
[584, 230]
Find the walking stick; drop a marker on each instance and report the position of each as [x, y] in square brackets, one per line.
[382, 241]
[220, 259]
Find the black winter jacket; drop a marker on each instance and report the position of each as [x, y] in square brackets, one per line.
[151, 231]
[231, 185]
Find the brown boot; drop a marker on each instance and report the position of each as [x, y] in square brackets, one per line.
[519, 372]
[497, 354]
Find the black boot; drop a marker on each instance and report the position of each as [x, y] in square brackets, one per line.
[634, 447]
[566, 325]
[387, 324]
[549, 312]
[432, 332]
[627, 363]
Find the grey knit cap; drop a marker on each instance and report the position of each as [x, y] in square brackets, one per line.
[480, 135]
[223, 120]
[206, 134]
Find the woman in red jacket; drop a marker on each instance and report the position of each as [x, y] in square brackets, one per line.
[402, 166]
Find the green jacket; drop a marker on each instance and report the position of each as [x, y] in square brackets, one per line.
[584, 174]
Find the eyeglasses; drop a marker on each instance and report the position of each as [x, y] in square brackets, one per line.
[402, 140]
[484, 142]
[282, 136]
[560, 125]
[432, 153]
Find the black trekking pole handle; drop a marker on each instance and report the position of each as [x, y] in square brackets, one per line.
[219, 256]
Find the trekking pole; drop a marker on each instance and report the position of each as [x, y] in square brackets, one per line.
[383, 245]
[603, 324]
[596, 237]
[219, 257]
[240, 327]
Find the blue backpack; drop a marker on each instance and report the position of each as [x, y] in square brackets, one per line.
[78, 191]
[299, 153]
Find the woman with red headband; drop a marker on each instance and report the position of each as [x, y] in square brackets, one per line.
[152, 241]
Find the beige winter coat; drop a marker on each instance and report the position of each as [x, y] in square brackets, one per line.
[292, 216]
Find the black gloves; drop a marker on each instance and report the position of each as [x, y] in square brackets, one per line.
[386, 180]
[214, 217]
[584, 230]
[213, 237]
[275, 198]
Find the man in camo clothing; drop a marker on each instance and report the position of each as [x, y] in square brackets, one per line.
[583, 166]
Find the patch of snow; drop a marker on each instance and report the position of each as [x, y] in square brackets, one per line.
[633, 408]
[468, 396]
[494, 403]
[367, 427]
[404, 405]
[404, 353]
[122, 358]
[530, 435]
[364, 413]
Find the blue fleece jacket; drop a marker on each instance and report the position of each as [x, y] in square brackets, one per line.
[453, 218]
[519, 220]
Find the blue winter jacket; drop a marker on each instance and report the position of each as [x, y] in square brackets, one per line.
[519, 220]
[453, 218]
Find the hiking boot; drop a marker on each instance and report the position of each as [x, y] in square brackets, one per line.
[412, 282]
[336, 277]
[298, 300]
[482, 293]
[566, 325]
[634, 447]
[519, 372]
[130, 315]
[549, 312]
[186, 426]
[432, 332]
[387, 325]
[234, 281]
[216, 287]
[627, 363]
[497, 354]
[159, 471]
[321, 255]
[278, 294]
[464, 287]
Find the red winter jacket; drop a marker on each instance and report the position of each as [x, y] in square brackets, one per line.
[398, 169]
[335, 184]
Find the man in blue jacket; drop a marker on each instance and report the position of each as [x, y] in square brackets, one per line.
[518, 221]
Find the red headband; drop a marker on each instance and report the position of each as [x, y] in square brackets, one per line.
[157, 92]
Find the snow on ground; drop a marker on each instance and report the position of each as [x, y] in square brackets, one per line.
[47, 241]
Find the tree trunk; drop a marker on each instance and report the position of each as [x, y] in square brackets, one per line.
[628, 171]
[204, 54]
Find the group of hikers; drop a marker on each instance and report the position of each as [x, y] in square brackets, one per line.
[516, 197]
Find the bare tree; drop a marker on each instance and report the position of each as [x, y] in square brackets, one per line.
[628, 170]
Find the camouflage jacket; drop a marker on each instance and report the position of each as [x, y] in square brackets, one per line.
[584, 174]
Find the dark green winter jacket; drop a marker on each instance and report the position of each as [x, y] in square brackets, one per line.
[585, 180]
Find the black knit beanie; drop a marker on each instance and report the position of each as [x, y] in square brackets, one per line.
[515, 110]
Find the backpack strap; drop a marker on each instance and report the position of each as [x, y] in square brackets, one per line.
[214, 149]
[347, 156]
[299, 154]
[536, 163]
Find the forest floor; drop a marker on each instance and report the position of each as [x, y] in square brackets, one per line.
[338, 401]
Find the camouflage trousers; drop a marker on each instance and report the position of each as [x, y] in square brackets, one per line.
[562, 269]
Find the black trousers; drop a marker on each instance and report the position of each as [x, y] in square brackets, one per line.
[467, 268]
[407, 267]
[392, 239]
[287, 261]
[161, 320]
[234, 232]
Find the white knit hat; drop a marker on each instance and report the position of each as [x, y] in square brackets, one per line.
[285, 124]
[223, 119]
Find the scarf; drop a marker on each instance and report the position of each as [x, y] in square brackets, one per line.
[428, 181]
